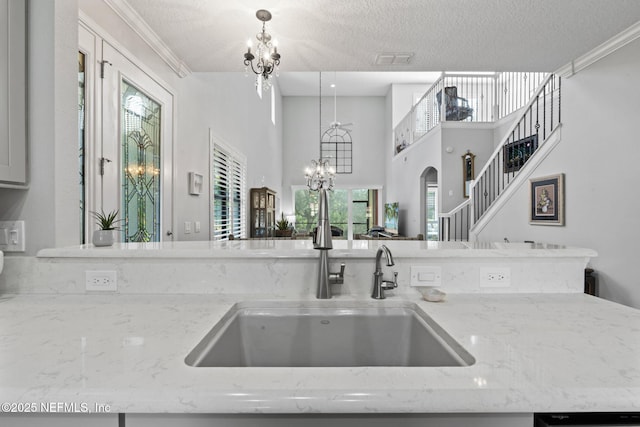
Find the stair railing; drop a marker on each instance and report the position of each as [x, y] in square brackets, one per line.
[455, 225]
[538, 119]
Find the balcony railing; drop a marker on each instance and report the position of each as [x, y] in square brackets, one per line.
[466, 97]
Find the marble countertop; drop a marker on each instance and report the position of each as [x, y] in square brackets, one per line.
[534, 352]
[275, 248]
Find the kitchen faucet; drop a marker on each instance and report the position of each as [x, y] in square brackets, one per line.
[379, 284]
[322, 241]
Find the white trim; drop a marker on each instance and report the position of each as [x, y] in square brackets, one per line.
[133, 19]
[226, 146]
[100, 32]
[610, 46]
[540, 155]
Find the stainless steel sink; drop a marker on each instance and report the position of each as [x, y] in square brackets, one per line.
[311, 335]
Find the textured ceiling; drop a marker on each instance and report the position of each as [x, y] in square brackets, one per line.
[347, 35]
[330, 35]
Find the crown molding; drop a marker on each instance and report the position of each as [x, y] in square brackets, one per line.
[133, 19]
[596, 54]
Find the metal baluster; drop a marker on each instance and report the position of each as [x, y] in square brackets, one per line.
[559, 95]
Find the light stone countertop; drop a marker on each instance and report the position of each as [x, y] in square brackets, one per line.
[534, 353]
[284, 248]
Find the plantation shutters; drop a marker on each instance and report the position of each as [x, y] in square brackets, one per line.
[229, 188]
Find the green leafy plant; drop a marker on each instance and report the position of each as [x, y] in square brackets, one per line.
[282, 223]
[106, 221]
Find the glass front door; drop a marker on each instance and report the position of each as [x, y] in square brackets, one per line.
[137, 150]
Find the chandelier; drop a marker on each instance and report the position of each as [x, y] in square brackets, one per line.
[319, 175]
[266, 53]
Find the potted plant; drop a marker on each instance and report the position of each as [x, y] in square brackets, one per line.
[106, 223]
[283, 228]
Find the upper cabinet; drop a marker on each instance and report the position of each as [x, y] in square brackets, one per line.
[13, 159]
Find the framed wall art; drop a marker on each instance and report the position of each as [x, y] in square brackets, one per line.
[546, 200]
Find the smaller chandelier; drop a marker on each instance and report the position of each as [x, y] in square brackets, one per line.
[319, 175]
[267, 56]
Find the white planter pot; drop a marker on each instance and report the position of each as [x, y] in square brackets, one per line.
[103, 238]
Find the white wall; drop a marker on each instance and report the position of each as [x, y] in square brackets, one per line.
[226, 103]
[403, 182]
[50, 205]
[598, 154]
[301, 136]
[477, 138]
[402, 99]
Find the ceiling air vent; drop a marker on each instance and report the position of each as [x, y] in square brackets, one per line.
[393, 58]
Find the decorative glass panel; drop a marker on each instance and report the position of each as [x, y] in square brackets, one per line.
[141, 177]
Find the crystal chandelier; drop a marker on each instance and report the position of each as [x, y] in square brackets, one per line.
[267, 56]
[319, 175]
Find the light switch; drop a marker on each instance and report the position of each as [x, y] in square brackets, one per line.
[196, 227]
[187, 227]
[422, 275]
[12, 237]
[426, 277]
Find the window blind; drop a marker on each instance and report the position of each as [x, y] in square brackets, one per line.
[229, 189]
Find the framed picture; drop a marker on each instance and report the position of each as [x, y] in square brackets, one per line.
[546, 200]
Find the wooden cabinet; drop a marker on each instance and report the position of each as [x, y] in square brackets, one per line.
[13, 167]
[262, 212]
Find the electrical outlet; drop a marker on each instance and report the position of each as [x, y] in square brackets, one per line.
[105, 281]
[495, 277]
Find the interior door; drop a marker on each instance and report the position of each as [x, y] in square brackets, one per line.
[136, 161]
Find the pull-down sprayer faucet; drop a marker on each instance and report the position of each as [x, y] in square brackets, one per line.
[379, 284]
[322, 241]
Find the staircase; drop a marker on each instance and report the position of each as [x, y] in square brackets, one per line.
[526, 142]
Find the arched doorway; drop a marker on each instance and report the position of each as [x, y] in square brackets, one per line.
[429, 202]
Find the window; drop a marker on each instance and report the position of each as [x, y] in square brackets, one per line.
[336, 146]
[432, 212]
[364, 212]
[273, 105]
[358, 217]
[229, 169]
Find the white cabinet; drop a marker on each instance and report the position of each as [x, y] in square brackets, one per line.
[13, 159]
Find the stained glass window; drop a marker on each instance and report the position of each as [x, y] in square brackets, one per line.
[141, 177]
